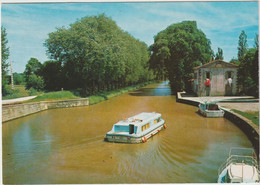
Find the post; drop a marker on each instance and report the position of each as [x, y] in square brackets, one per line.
[12, 78]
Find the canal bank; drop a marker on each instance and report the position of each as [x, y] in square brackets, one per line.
[247, 126]
[15, 108]
[14, 111]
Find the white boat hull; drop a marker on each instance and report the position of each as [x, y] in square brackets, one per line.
[128, 139]
[211, 114]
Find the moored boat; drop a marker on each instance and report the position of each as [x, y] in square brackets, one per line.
[240, 167]
[136, 129]
[210, 109]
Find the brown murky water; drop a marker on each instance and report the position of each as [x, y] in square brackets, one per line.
[66, 145]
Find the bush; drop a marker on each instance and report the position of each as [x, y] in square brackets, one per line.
[35, 82]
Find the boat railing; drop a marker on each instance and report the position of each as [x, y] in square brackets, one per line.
[249, 160]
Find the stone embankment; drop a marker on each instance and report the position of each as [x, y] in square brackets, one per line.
[14, 111]
[246, 125]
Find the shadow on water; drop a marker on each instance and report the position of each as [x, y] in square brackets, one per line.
[161, 90]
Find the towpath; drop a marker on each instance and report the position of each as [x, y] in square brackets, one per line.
[16, 100]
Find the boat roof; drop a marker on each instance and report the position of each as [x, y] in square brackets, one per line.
[244, 172]
[139, 118]
[236, 151]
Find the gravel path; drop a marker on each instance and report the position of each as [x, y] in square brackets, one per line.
[17, 100]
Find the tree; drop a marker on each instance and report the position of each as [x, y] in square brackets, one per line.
[19, 78]
[242, 45]
[32, 73]
[248, 78]
[96, 55]
[180, 48]
[52, 75]
[35, 82]
[5, 55]
[219, 54]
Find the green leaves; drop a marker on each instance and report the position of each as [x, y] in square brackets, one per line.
[177, 50]
[95, 54]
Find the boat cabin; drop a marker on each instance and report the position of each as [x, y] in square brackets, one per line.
[137, 124]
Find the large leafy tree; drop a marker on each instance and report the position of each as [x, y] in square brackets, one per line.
[96, 55]
[179, 48]
[5, 55]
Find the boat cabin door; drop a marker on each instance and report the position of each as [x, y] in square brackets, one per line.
[131, 129]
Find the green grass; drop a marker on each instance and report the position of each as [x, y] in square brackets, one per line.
[67, 95]
[251, 115]
[59, 95]
[18, 92]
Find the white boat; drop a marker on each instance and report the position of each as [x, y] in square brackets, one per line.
[210, 109]
[136, 129]
[240, 167]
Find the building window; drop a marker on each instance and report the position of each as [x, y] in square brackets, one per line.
[229, 74]
[208, 75]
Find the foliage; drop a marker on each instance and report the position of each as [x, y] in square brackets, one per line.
[35, 82]
[219, 54]
[5, 55]
[51, 72]
[242, 45]
[95, 55]
[178, 49]
[18, 92]
[32, 75]
[252, 115]
[59, 95]
[248, 78]
[19, 78]
[234, 61]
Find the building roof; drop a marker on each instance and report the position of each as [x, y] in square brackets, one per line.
[217, 64]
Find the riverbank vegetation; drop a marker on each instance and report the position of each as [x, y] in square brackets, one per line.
[251, 115]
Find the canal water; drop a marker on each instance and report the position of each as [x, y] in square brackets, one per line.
[66, 145]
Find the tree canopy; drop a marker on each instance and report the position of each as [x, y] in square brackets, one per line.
[5, 55]
[94, 54]
[179, 48]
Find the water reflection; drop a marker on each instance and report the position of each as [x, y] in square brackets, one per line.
[66, 145]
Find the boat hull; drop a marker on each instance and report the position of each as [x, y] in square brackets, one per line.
[211, 114]
[116, 138]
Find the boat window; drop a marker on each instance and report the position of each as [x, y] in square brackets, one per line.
[156, 121]
[144, 127]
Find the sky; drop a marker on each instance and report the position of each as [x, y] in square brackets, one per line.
[28, 25]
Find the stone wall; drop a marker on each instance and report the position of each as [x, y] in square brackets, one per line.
[14, 111]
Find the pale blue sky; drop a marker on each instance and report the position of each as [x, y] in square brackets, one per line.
[28, 25]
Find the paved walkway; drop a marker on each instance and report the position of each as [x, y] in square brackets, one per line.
[242, 103]
[16, 100]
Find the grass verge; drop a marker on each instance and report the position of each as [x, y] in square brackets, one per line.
[251, 115]
[67, 95]
[59, 95]
[19, 91]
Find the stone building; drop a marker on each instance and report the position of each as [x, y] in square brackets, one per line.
[222, 76]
